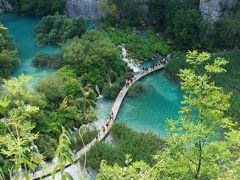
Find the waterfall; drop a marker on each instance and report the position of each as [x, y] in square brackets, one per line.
[35, 147]
[129, 62]
[109, 82]
[85, 8]
[98, 91]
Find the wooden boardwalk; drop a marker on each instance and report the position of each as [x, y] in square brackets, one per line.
[102, 134]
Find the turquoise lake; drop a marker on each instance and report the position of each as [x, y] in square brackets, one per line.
[146, 112]
[22, 31]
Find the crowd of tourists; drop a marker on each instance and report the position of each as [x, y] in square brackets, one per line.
[106, 126]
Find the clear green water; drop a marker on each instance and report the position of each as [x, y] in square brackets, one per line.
[150, 110]
[22, 31]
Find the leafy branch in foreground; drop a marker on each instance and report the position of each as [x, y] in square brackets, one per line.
[136, 170]
[63, 154]
[16, 142]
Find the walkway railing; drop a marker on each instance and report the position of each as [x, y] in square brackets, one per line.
[106, 127]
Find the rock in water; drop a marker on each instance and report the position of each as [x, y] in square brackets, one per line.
[85, 8]
[215, 8]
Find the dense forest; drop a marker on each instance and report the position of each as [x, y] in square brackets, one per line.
[203, 143]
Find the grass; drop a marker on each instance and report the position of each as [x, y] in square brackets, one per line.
[126, 141]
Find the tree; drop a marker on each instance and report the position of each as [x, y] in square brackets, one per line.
[108, 7]
[8, 53]
[94, 49]
[184, 29]
[16, 141]
[125, 12]
[227, 32]
[58, 29]
[157, 12]
[196, 134]
[38, 7]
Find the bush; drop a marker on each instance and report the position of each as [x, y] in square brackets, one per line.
[53, 88]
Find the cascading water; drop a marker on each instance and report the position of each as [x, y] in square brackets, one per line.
[130, 62]
[98, 91]
[35, 147]
[85, 8]
[109, 82]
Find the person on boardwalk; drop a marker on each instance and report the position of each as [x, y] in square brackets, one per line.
[121, 93]
[127, 83]
[103, 128]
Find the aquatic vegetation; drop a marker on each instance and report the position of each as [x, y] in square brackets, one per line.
[48, 60]
[136, 89]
